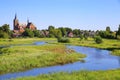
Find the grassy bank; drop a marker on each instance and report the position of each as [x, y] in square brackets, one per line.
[80, 75]
[20, 58]
[116, 52]
[7, 42]
[109, 44]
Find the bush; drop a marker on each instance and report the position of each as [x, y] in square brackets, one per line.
[63, 40]
[98, 39]
[28, 33]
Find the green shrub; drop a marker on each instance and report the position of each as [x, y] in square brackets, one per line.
[63, 40]
[98, 39]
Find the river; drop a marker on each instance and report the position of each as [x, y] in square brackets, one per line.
[97, 59]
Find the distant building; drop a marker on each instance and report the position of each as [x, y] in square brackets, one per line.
[20, 28]
[70, 34]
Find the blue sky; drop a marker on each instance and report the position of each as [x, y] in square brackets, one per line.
[80, 14]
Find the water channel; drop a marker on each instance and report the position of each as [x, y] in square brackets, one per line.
[97, 59]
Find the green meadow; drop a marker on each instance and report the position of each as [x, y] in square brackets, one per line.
[109, 44]
[17, 41]
[20, 58]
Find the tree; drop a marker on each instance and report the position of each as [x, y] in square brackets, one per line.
[3, 35]
[68, 29]
[81, 37]
[108, 29]
[57, 33]
[36, 33]
[63, 30]
[50, 28]
[86, 35]
[28, 33]
[76, 32]
[5, 31]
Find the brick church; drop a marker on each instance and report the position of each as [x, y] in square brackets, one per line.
[20, 28]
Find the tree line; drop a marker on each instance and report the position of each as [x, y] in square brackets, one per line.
[61, 32]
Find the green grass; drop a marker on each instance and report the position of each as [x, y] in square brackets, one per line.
[107, 43]
[110, 44]
[20, 58]
[79, 75]
[7, 42]
[116, 52]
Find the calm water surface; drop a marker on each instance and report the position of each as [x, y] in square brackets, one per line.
[96, 59]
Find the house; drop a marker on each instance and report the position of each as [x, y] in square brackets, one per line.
[70, 34]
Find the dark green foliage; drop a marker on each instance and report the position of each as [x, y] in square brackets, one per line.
[36, 33]
[28, 33]
[81, 37]
[5, 31]
[50, 28]
[51, 36]
[63, 40]
[76, 32]
[55, 33]
[3, 35]
[98, 39]
[108, 29]
[5, 28]
[68, 29]
[63, 30]
[86, 35]
[106, 34]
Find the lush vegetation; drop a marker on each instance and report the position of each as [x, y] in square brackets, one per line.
[109, 44]
[5, 31]
[98, 39]
[64, 40]
[19, 58]
[116, 52]
[17, 41]
[80, 75]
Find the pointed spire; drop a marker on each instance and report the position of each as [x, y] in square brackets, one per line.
[15, 16]
[27, 20]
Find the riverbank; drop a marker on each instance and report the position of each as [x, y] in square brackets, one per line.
[79, 75]
[20, 58]
[108, 44]
[17, 41]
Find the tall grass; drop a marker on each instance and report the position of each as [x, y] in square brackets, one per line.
[116, 52]
[19, 58]
[106, 44]
[4, 42]
[79, 75]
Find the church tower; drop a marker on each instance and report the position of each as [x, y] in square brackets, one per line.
[16, 23]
